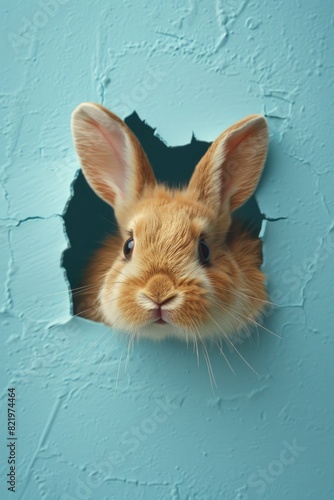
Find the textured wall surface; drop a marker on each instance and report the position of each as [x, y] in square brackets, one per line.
[94, 428]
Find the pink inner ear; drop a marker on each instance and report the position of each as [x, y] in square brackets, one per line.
[115, 154]
[245, 156]
[236, 139]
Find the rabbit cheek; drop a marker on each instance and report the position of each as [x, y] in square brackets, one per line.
[194, 311]
[108, 298]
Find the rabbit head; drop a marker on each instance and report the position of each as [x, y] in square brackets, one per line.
[177, 267]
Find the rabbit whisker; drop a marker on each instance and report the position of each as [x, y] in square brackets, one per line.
[93, 307]
[72, 290]
[224, 355]
[88, 291]
[231, 343]
[194, 335]
[197, 335]
[251, 297]
[196, 348]
[128, 353]
[118, 370]
[248, 318]
[209, 367]
[125, 276]
[110, 221]
[130, 344]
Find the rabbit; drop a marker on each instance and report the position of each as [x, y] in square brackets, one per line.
[179, 266]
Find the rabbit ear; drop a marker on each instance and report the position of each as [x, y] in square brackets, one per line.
[112, 159]
[228, 173]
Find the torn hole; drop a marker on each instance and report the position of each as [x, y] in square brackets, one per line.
[89, 220]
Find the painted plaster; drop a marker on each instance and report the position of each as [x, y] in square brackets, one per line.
[90, 425]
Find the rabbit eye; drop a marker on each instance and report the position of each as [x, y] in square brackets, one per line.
[203, 252]
[128, 248]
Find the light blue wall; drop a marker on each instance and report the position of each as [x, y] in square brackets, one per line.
[156, 430]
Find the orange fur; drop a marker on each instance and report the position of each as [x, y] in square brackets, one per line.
[198, 301]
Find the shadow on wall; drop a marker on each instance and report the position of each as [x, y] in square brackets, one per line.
[88, 219]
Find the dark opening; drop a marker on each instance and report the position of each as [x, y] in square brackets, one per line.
[89, 220]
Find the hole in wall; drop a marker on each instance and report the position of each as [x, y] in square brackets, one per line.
[88, 219]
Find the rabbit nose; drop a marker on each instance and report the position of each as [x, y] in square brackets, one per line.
[168, 300]
[161, 301]
[160, 291]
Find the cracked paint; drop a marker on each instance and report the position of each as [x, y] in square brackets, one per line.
[88, 421]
